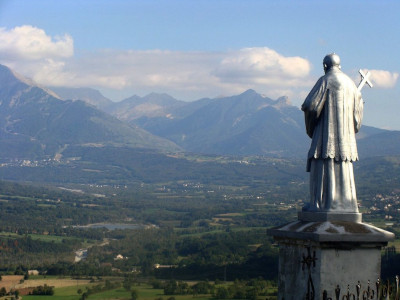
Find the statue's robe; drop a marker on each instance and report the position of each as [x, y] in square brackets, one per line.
[333, 112]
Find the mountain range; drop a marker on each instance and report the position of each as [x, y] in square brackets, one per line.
[245, 124]
[37, 122]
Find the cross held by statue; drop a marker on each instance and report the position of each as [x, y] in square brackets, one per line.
[364, 80]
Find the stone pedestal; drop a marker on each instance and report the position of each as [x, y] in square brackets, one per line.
[321, 251]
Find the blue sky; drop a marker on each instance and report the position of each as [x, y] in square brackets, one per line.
[194, 49]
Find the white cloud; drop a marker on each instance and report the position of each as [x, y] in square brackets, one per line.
[261, 64]
[152, 69]
[31, 52]
[50, 61]
[31, 43]
[383, 79]
[264, 70]
[188, 75]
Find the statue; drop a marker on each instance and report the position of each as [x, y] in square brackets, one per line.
[333, 111]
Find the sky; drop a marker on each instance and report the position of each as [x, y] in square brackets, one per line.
[192, 49]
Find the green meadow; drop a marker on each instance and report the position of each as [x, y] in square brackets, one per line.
[144, 292]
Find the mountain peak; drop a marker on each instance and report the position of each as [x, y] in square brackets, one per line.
[6, 72]
[250, 92]
[283, 101]
[9, 78]
[154, 94]
[89, 95]
[160, 98]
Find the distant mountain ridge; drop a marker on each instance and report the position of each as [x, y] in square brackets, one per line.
[34, 123]
[151, 106]
[245, 124]
[88, 95]
[44, 136]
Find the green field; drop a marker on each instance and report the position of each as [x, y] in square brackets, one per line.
[144, 290]
[42, 237]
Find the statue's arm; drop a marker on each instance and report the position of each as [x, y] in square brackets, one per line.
[313, 105]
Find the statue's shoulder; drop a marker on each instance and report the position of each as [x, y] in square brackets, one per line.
[341, 75]
[349, 82]
[339, 78]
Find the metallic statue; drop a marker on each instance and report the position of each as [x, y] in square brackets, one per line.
[333, 112]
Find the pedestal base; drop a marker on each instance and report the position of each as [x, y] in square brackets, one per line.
[312, 268]
[320, 252]
[328, 216]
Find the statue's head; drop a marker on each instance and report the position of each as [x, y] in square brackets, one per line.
[331, 60]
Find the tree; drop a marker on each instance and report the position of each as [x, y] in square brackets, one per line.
[222, 293]
[84, 296]
[202, 287]
[127, 284]
[170, 287]
[134, 294]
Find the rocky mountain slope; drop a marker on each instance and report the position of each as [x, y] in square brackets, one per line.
[34, 123]
[245, 124]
